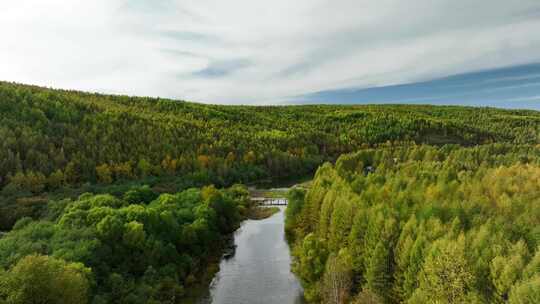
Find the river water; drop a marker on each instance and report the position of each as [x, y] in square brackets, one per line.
[259, 272]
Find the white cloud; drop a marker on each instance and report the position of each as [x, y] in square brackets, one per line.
[257, 51]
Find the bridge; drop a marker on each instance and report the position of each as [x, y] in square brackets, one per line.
[269, 201]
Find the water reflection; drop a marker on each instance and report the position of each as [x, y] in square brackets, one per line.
[259, 272]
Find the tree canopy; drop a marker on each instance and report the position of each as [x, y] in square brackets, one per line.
[57, 141]
[113, 250]
[111, 199]
[424, 225]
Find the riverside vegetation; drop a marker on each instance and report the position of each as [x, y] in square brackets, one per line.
[423, 224]
[109, 199]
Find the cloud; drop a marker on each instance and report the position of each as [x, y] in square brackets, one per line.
[221, 68]
[191, 36]
[180, 53]
[244, 51]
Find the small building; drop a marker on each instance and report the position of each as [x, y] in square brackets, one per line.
[368, 170]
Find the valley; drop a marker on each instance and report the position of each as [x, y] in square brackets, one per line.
[119, 199]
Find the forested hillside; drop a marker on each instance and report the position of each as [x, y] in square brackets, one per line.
[421, 224]
[52, 138]
[55, 140]
[117, 199]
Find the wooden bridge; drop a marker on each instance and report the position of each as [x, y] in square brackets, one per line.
[269, 201]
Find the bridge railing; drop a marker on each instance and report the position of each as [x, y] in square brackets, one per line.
[266, 201]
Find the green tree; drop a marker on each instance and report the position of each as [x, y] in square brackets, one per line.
[446, 276]
[367, 297]
[378, 273]
[527, 292]
[310, 264]
[72, 172]
[42, 279]
[416, 260]
[294, 206]
[337, 279]
[506, 271]
[139, 195]
[134, 234]
[144, 167]
[56, 179]
[110, 228]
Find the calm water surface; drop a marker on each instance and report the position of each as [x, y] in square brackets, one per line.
[259, 272]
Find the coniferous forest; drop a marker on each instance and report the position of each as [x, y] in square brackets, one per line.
[118, 199]
[421, 224]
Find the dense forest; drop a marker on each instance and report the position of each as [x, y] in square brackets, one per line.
[118, 199]
[140, 248]
[55, 140]
[421, 224]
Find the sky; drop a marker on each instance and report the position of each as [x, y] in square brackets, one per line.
[475, 52]
[516, 87]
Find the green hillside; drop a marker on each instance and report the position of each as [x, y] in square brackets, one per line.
[52, 138]
[117, 199]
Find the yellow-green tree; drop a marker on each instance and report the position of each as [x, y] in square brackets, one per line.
[40, 279]
[337, 279]
[104, 174]
[446, 276]
[527, 292]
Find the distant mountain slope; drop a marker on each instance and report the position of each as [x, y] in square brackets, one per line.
[52, 138]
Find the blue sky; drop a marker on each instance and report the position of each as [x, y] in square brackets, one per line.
[510, 87]
[474, 52]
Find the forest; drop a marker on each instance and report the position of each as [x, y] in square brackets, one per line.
[421, 224]
[58, 143]
[140, 248]
[120, 199]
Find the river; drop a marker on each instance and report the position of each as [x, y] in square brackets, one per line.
[259, 272]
